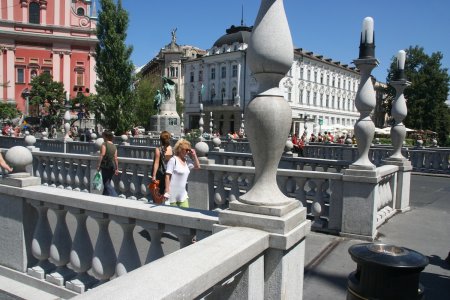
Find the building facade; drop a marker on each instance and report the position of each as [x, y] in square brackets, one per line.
[54, 36]
[170, 62]
[321, 91]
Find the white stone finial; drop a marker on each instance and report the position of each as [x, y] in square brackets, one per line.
[268, 116]
[270, 52]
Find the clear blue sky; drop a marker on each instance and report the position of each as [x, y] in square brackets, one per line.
[328, 27]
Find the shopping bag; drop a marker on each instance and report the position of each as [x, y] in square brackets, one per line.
[154, 191]
[97, 182]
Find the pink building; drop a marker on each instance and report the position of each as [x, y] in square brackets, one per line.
[54, 36]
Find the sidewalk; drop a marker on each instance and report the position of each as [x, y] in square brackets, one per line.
[425, 228]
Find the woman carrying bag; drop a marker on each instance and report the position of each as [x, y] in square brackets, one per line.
[162, 155]
[108, 163]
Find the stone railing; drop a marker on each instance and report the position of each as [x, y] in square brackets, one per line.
[39, 242]
[286, 162]
[214, 186]
[321, 193]
[75, 172]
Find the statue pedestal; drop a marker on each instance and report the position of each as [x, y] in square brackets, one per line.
[169, 121]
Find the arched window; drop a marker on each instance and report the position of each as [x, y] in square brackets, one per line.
[222, 94]
[34, 16]
[80, 11]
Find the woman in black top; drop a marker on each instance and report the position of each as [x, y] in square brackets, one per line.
[108, 163]
[162, 155]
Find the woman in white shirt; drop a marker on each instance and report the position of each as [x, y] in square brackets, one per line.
[177, 173]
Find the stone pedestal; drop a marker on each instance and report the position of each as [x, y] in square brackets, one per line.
[284, 260]
[169, 122]
[359, 212]
[403, 182]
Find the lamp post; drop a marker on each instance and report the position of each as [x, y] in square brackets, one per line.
[26, 95]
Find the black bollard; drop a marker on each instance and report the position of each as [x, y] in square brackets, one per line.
[385, 272]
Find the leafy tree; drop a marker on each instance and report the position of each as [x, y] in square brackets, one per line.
[427, 94]
[115, 96]
[8, 111]
[48, 95]
[145, 92]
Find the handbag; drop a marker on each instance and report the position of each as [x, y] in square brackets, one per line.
[154, 191]
[97, 182]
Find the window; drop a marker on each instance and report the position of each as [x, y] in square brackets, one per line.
[301, 73]
[308, 75]
[234, 71]
[339, 83]
[33, 73]
[321, 100]
[321, 78]
[200, 75]
[328, 79]
[308, 97]
[234, 93]
[333, 82]
[213, 73]
[20, 75]
[327, 101]
[192, 76]
[224, 72]
[315, 99]
[47, 71]
[173, 72]
[34, 13]
[332, 102]
[80, 79]
[213, 93]
[199, 96]
[289, 94]
[80, 11]
[222, 94]
[300, 96]
[315, 76]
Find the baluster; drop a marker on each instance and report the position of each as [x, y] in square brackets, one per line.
[128, 258]
[234, 192]
[104, 259]
[144, 183]
[70, 174]
[282, 181]
[40, 245]
[155, 230]
[39, 167]
[81, 254]
[78, 176]
[60, 248]
[84, 165]
[46, 172]
[219, 195]
[184, 234]
[134, 183]
[317, 208]
[54, 172]
[123, 181]
[62, 173]
[301, 193]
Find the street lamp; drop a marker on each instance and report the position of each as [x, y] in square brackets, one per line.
[26, 95]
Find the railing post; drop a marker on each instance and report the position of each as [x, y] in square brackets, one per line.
[268, 119]
[128, 258]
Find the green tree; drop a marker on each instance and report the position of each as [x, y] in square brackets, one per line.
[145, 93]
[115, 96]
[427, 94]
[8, 111]
[47, 99]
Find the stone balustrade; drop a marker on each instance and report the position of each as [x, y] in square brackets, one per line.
[50, 252]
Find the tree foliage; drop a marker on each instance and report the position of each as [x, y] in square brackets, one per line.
[427, 94]
[115, 96]
[47, 99]
[145, 93]
[8, 111]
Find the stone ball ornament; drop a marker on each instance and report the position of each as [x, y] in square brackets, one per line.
[18, 157]
[30, 140]
[99, 142]
[201, 148]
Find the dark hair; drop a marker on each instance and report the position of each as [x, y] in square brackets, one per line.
[108, 135]
[164, 137]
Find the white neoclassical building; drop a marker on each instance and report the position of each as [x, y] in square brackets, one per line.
[321, 91]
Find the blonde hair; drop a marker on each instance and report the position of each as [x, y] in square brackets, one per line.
[179, 144]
